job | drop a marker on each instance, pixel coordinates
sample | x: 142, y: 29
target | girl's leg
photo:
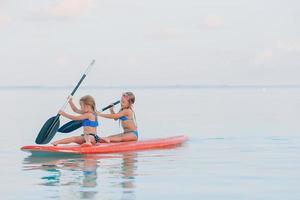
x: 123, y: 137
x: 75, y: 139
x: 107, y: 139
x: 87, y: 139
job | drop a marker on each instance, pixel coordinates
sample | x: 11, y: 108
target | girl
x: 90, y: 122
x: 127, y: 117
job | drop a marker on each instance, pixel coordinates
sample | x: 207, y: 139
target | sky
x: 157, y: 42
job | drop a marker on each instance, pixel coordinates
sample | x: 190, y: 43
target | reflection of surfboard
x: 107, y: 147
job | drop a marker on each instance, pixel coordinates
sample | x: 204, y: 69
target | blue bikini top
x: 123, y: 118
x: 87, y: 122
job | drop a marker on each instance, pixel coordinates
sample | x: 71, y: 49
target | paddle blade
x: 48, y: 130
x: 70, y: 126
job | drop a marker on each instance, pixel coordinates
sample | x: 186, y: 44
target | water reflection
x: 81, y: 177
x: 128, y: 171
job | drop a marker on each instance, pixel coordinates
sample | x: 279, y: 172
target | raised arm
x: 113, y: 116
x: 74, y: 117
x: 74, y: 107
x: 112, y: 111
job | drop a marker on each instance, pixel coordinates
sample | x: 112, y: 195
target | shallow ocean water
x: 243, y: 144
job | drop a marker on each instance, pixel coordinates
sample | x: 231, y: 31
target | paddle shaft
x: 109, y: 106
x: 51, y: 126
x: 77, y: 86
x: 73, y: 92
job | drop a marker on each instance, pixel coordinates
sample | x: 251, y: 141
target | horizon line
x: 170, y: 86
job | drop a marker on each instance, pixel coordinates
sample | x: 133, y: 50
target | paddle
x: 76, y: 124
x: 50, y: 127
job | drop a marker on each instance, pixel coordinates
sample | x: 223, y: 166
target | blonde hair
x: 131, y: 98
x: 88, y: 100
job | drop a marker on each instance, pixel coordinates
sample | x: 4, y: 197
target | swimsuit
x: 87, y: 122
x: 124, y: 118
x: 135, y: 132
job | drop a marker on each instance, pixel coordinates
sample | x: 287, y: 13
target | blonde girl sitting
x: 88, y: 115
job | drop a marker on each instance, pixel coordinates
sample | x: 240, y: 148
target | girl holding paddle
x: 89, y: 122
x: 126, y: 116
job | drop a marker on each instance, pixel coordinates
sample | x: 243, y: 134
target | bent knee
x: 129, y: 138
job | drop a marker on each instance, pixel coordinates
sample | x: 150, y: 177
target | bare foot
x: 54, y: 143
x: 86, y: 145
x: 106, y: 139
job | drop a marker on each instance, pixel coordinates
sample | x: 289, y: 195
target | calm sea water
x: 244, y: 144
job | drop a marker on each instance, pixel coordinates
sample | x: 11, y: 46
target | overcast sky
x: 150, y: 42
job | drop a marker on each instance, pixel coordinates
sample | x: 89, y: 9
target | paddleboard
x: 107, y: 147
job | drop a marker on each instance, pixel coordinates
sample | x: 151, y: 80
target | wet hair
x: 88, y: 100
